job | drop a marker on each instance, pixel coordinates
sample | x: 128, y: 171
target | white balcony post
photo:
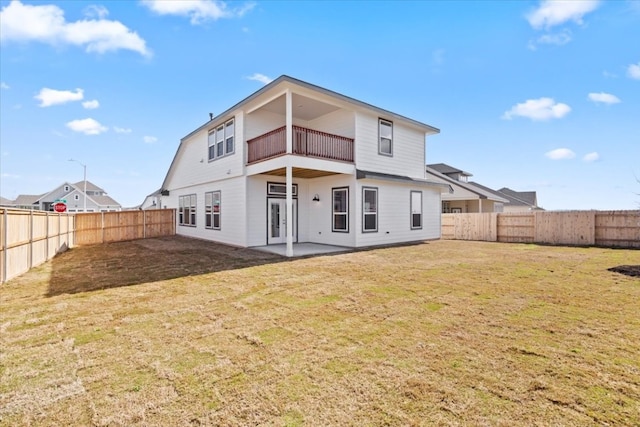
x: 289, y: 126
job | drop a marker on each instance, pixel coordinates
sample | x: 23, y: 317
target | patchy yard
x: 180, y: 332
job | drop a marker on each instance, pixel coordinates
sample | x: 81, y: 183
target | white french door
x: 277, y: 221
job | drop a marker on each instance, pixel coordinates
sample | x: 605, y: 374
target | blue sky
x: 528, y: 95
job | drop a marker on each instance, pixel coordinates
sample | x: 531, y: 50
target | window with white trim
x: 76, y: 197
x: 212, y: 204
x: 369, y: 209
x: 222, y: 140
x: 340, y: 220
x: 385, y: 137
x: 187, y: 210
x: 416, y: 210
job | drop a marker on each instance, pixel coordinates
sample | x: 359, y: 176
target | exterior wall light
x: 316, y: 198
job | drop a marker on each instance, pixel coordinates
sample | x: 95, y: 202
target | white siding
x: 408, y: 148
x: 340, y: 122
x: 192, y: 167
x: 232, y: 211
x: 260, y: 122
x: 394, y: 224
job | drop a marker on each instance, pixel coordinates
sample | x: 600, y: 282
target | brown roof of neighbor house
x: 90, y: 186
x: 104, y: 200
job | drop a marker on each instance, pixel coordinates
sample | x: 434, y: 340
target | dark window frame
x: 382, y: 121
x: 365, y: 213
x: 335, y: 214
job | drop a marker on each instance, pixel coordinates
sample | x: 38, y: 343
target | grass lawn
x: 179, y: 332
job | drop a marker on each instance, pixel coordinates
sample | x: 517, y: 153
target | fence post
x: 102, y: 226
x: 144, y: 224
x: 30, y: 238
x: 5, y: 233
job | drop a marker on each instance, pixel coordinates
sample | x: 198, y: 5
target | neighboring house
x: 94, y: 200
x: 152, y: 201
x: 520, y: 201
x: 294, y: 162
x: 5, y: 202
x: 464, y: 196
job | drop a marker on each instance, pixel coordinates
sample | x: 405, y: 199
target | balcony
x: 306, y: 142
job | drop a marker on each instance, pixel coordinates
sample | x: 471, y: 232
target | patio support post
x: 289, y: 216
x: 289, y: 213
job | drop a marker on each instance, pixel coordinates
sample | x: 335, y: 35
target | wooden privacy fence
x: 29, y: 238
x: 104, y: 227
x: 583, y: 228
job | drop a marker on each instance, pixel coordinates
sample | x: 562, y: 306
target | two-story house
x: 294, y: 162
x: 83, y: 196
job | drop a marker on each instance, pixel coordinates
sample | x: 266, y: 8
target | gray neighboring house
x: 520, y: 201
x: 464, y: 196
x: 96, y: 198
x: 152, y: 201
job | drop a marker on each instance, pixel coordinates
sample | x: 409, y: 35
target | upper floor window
x: 221, y: 140
x: 385, y: 137
x: 66, y: 188
x: 76, y: 197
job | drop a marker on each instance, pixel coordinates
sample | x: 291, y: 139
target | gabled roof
x: 90, y: 186
x: 428, y: 129
x: 104, y: 200
x: 520, y: 198
x: 27, y: 199
x: 497, y: 196
x: 481, y: 191
x: 5, y: 202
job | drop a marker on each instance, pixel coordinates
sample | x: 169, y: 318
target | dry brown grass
x: 179, y: 332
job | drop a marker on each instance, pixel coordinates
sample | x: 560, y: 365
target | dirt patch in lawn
x: 182, y: 332
x: 629, y: 270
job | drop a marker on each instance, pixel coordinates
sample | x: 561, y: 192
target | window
x: 385, y: 134
x: 369, y: 209
x: 187, y: 210
x: 76, y: 197
x: 416, y: 210
x: 66, y: 188
x: 212, y: 210
x: 221, y: 140
x: 340, y: 209
x: 278, y: 189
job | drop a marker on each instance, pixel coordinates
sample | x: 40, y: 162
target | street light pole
x: 85, y: 182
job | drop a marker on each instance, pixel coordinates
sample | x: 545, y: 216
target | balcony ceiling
x: 301, y: 173
x: 303, y: 108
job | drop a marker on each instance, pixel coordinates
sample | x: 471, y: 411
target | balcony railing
x: 306, y: 142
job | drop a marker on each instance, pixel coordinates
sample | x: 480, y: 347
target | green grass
x: 184, y: 332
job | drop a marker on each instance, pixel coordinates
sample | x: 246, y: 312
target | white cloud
x: 633, y: 71
x: 149, y: 139
x: 47, y: 24
x: 91, y: 105
x: 121, y: 130
x: 551, y: 13
x: 3, y: 85
x: 538, y: 109
x: 198, y: 11
x: 49, y: 97
x: 560, y: 154
x: 260, y: 78
x: 591, y: 157
x: 95, y: 11
x: 10, y: 175
x: 609, y: 75
x: 87, y: 126
x: 605, y: 98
